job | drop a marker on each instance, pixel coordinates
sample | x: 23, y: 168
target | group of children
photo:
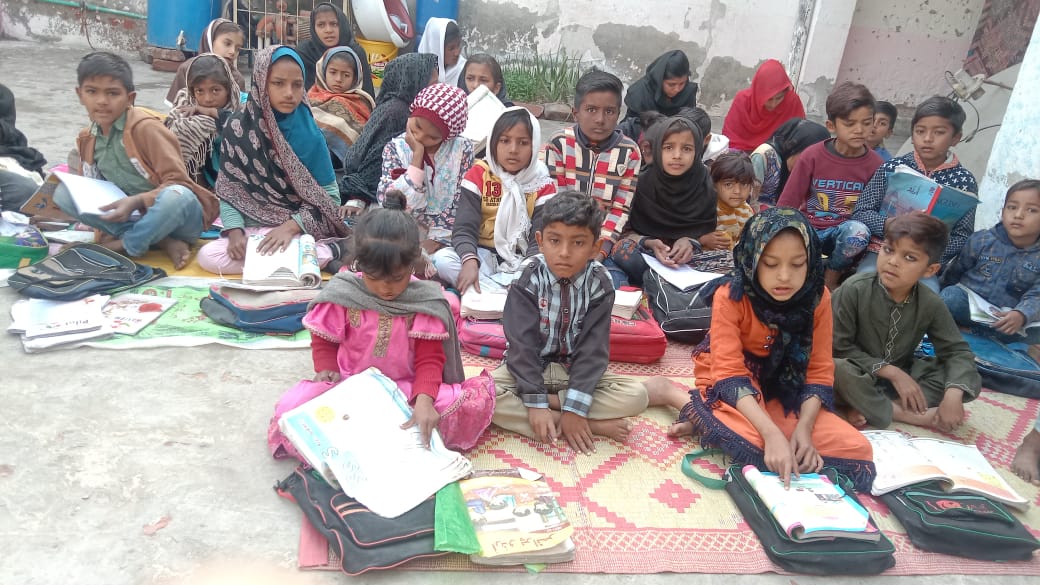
x: 564, y: 225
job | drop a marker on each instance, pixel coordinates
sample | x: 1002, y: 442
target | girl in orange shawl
x: 340, y: 107
x: 759, y: 110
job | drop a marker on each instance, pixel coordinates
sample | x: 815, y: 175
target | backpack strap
x: 712, y: 483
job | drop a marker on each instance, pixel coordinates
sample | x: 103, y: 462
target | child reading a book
x: 879, y: 320
x: 483, y: 69
x: 223, y: 38
x: 339, y: 105
x: 276, y: 177
x: 594, y: 157
x: 764, y: 373
x: 557, y: 322
x: 831, y: 174
x: 501, y: 203
x: 382, y: 317
x: 426, y: 163
x: 734, y: 177
x: 403, y: 79
x: 133, y: 150
x: 936, y: 128
x: 674, y: 207
x: 200, y: 111
x: 1000, y: 265
x: 442, y: 38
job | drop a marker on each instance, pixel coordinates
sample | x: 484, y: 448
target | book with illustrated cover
x: 294, y: 267
x: 517, y: 518
x: 813, y: 508
x: 129, y: 313
x: 909, y: 190
x: 902, y: 460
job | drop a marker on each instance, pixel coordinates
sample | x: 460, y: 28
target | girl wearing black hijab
x: 665, y: 88
x: 674, y: 209
x: 16, y: 184
x: 329, y: 28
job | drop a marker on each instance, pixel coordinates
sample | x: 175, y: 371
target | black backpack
x: 80, y: 271
x: 683, y: 315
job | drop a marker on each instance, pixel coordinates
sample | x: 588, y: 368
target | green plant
x: 542, y: 77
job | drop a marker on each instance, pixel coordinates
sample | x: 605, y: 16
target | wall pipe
x: 96, y: 8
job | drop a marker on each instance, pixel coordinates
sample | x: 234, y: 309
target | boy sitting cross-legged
x: 879, y: 320
x: 557, y: 323
x: 142, y: 157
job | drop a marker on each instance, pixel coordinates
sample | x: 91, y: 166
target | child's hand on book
x: 236, y: 247
x: 575, y: 429
x: 1009, y: 323
x: 807, y: 458
x: 541, y: 420
x: 121, y: 210
x: 469, y: 275
x: 278, y: 239
x: 661, y: 250
x: 328, y: 376
x: 425, y: 416
x: 779, y: 457
x: 950, y: 413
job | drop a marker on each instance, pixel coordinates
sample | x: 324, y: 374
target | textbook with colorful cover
x: 813, y: 508
x: 909, y: 190
x: 517, y: 518
x: 129, y: 313
x: 902, y: 461
x: 294, y: 267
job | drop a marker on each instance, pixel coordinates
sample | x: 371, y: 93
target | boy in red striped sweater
x: 595, y: 158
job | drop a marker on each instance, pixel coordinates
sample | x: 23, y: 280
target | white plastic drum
x: 384, y: 20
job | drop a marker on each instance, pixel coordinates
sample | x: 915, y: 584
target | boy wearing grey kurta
x: 880, y: 319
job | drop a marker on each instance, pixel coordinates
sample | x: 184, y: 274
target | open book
x: 683, y: 277
x: 352, y: 436
x: 517, y: 519
x: 909, y: 190
x: 294, y: 267
x: 983, y: 311
x: 484, y: 109
x: 813, y: 508
x: 903, y: 461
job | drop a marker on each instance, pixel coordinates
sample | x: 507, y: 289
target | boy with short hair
x: 1000, y: 265
x: 879, y: 320
x: 936, y: 127
x: 734, y: 177
x: 554, y: 379
x: 884, y: 122
x: 594, y: 157
x: 134, y: 150
x: 830, y: 175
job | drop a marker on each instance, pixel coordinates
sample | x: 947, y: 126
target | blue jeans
x: 843, y: 243
x: 176, y: 214
x: 869, y: 264
x: 627, y: 257
x: 956, y: 300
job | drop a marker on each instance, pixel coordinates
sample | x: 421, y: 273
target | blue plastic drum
x: 167, y: 19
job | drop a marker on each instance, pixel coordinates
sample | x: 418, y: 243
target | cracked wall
x: 37, y: 21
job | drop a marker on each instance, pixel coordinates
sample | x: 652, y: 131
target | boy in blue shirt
x: 884, y: 121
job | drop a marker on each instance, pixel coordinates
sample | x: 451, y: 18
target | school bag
x: 80, y: 271
x: 1004, y: 367
x: 684, y: 314
x: 22, y: 248
x: 363, y: 540
x: 840, y: 556
x: 964, y: 525
x: 273, y: 312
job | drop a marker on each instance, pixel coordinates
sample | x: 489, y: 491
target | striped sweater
x: 608, y: 176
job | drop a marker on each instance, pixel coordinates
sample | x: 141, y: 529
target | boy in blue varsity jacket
x: 554, y: 380
x: 1002, y: 265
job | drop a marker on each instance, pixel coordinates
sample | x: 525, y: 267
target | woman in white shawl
x: 443, y: 38
x: 500, y: 204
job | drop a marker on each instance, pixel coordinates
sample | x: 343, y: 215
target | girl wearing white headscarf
x: 443, y: 38
x: 500, y: 204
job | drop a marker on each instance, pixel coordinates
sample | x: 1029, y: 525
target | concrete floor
x: 95, y: 445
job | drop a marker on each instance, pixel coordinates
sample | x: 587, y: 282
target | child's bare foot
x: 178, y: 251
x: 114, y: 244
x: 924, y: 419
x: 681, y: 429
x: 1027, y: 458
x: 665, y: 392
x: 855, y: 418
x: 611, y: 428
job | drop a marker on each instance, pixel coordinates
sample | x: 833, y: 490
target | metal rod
x: 96, y: 8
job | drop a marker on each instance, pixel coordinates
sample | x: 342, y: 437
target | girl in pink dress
x: 383, y: 317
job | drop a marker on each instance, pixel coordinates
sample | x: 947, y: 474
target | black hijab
x: 671, y: 207
x: 648, y: 92
x: 791, y: 138
x: 403, y: 79
x: 312, y: 49
x: 13, y: 143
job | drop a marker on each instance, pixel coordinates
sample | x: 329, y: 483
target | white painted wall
x: 1016, y: 149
